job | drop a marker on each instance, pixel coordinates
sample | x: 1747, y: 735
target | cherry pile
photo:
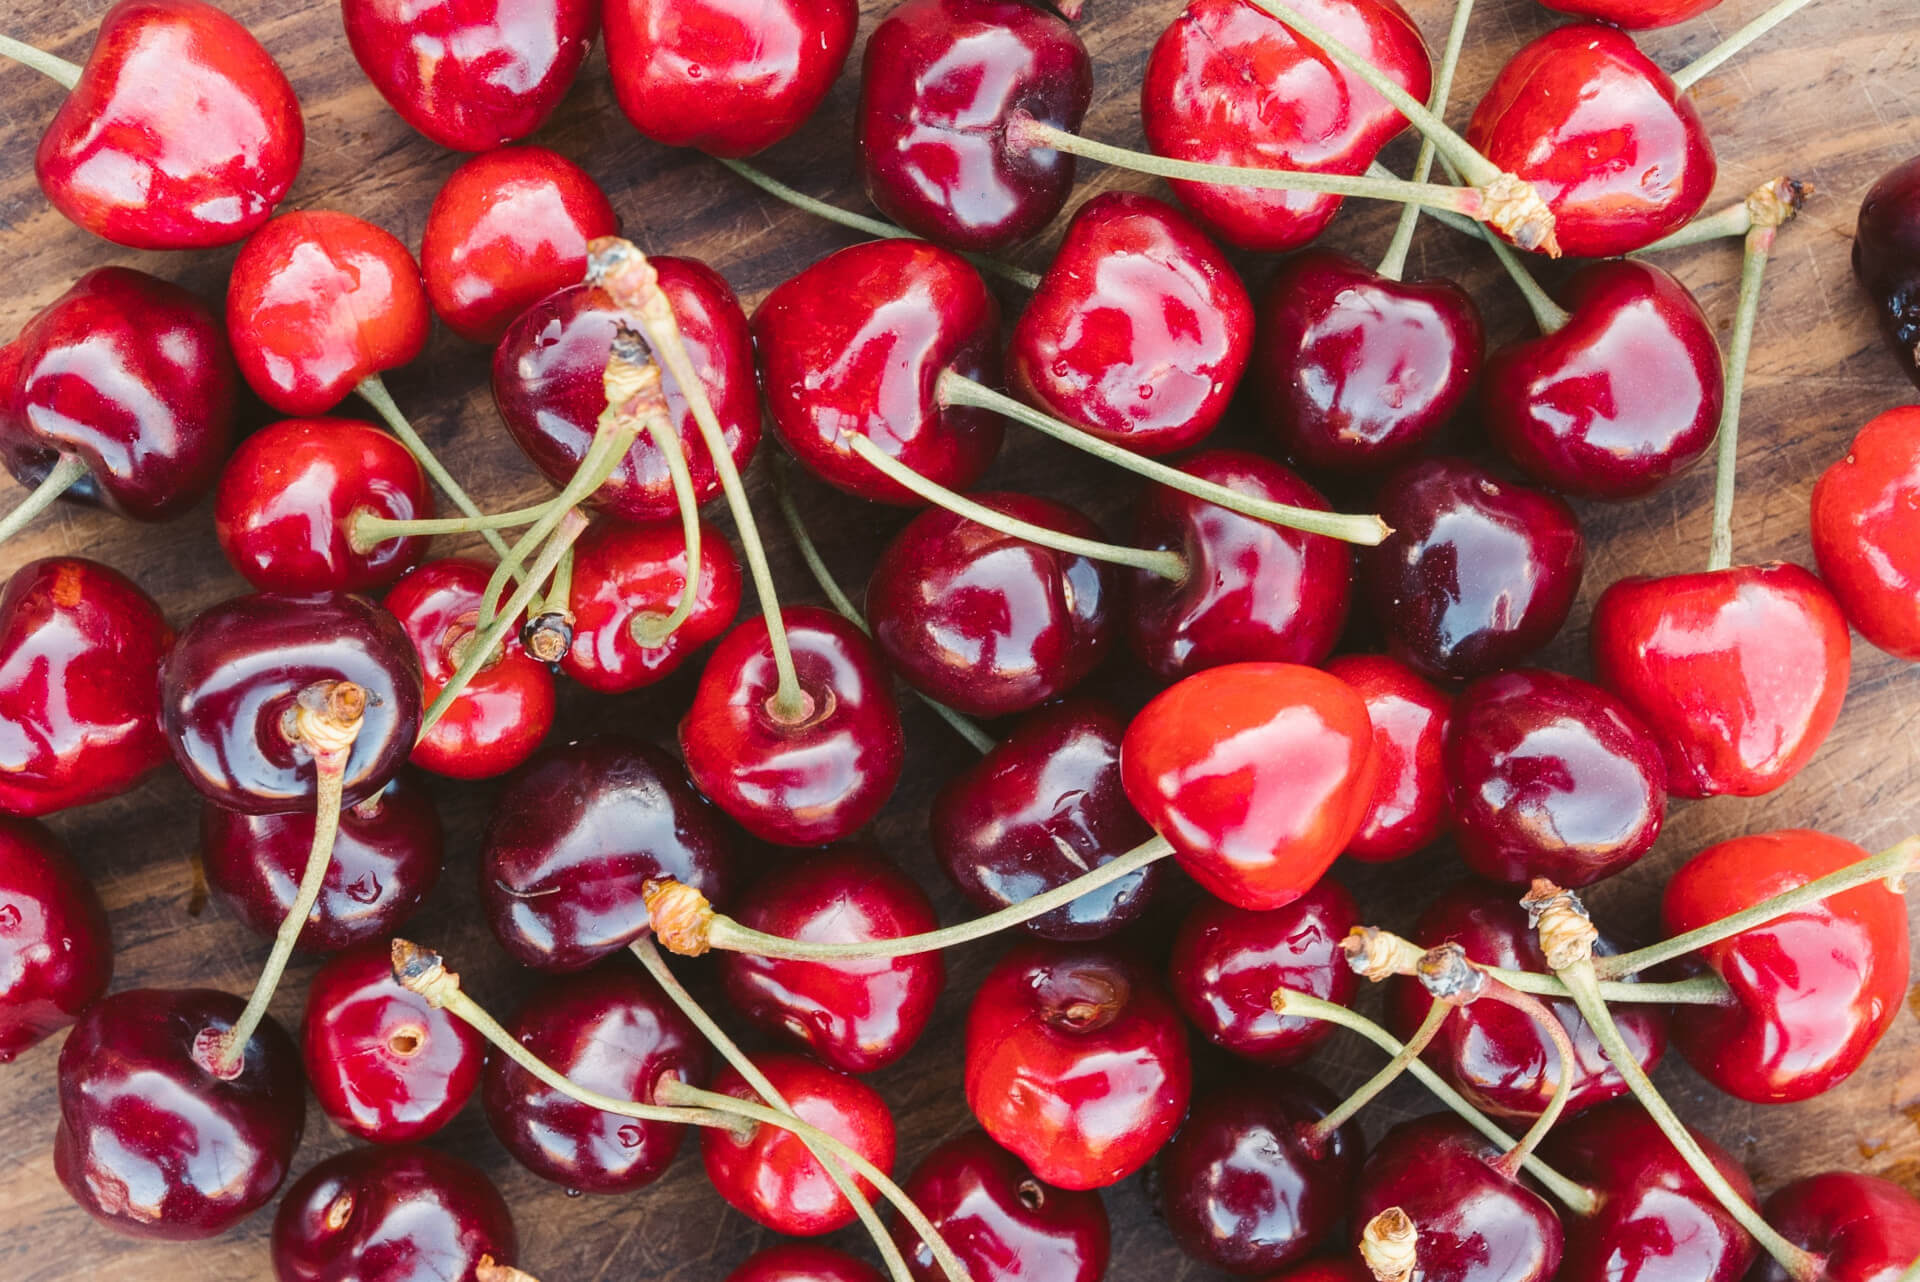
x: 1317, y: 646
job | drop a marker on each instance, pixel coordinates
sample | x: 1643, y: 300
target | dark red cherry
x: 1886, y: 260
x: 1228, y: 961
x: 1859, y: 1227
x: 507, y: 229
x: 1634, y: 15
x: 472, y: 74
x: 1604, y: 135
x: 1246, y: 1186
x: 1331, y: 1268
x: 1252, y: 591
x: 854, y: 345
x: 795, y: 783
x: 1357, y: 371
x: 318, y: 301
x: 183, y: 132
x: 1704, y: 661
x: 133, y: 376
x: 803, y: 1262
x: 1866, y: 531
x: 986, y: 623
x: 610, y: 1030
x: 1478, y: 574
x: 151, y: 1142
x: 386, y: 858
x: 391, y: 1215
x: 626, y: 578
x: 1140, y: 330
x: 549, y: 382
x: 1621, y: 398
x: 56, y: 952
x: 1076, y: 1062
x: 1409, y: 716
x: 1043, y: 806
x: 1230, y: 84
x: 574, y: 836
x: 1813, y: 991
x: 1005, y: 1225
x: 80, y: 653
x: 769, y: 1176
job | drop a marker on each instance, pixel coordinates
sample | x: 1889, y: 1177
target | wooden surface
x: 1834, y: 98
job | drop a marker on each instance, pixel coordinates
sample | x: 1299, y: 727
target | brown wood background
x: 1834, y: 98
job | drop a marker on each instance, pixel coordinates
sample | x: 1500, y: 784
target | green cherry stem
x: 1376, y: 954
x: 1753, y: 271
x: 1706, y: 63
x: 1349, y: 1108
x: 653, y: 630
x: 366, y: 528
x: 1556, y: 1032
x: 374, y: 392
x: 48, y: 65
x: 63, y: 476
x: 1394, y: 265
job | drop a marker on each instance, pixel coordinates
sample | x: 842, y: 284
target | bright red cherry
x: 1861, y: 1228
x: 1076, y: 1062
x: 1409, y: 716
x: 1866, y: 531
x: 803, y: 1262
x: 1886, y: 260
x: 1634, y: 15
x: 1005, y: 1225
x: 1738, y: 673
x: 626, y: 578
x: 56, y: 952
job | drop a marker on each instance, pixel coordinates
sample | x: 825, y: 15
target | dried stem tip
x: 548, y: 637
x: 1446, y: 973
x: 325, y: 717
x: 1517, y: 210
x: 1566, y: 931
x: 1390, y: 1245
x: 682, y: 917
x: 423, y: 971
x: 488, y: 1270
x: 1374, y: 954
x: 1776, y: 203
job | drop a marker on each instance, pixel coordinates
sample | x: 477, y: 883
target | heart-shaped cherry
x: 56, y: 952
x: 1886, y: 260
x: 1859, y: 1227
x: 1634, y: 15
x: 1866, y: 531
x: 1409, y: 716
x: 803, y: 1262
x: 1004, y: 1224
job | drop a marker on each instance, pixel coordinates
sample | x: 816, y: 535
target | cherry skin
x: 1252, y: 591
x: 1410, y: 717
x: 854, y: 345
x: 1886, y: 260
x: 1862, y: 1228
x: 574, y: 836
x: 626, y: 578
x: 769, y: 1176
x: 1866, y: 531
x: 319, y: 301
x: 182, y: 133
x: 56, y: 950
x: 988, y: 624
x: 1634, y: 15
x: 386, y: 859
x: 1615, y: 148
x: 132, y: 375
x: 1478, y: 574
x: 1140, y: 330
x: 1005, y: 1225
x: 505, y: 711
x: 1227, y: 962
x: 1333, y: 1268
x: 1813, y: 991
x: 1622, y: 398
x: 472, y: 74
x: 1043, y: 806
x: 1738, y: 673
x: 1076, y: 1063
x: 151, y: 1142
x: 609, y: 1030
x: 391, y: 1215
x: 507, y: 229
x: 80, y: 652
x: 857, y: 1016
x: 549, y: 382
x: 1357, y: 371
x: 808, y: 782
x: 288, y: 498
x: 1229, y: 84
x: 802, y: 1262
x: 731, y: 77
x: 1258, y: 774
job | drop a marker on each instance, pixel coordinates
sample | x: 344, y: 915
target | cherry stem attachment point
x: 48, y: 65
x: 63, y: 476
x: 1390, y: 1246
x: 374, y: 392
x: 1779, y: 199
x: 1437, y: 1015
x: 1394, y: 265
x: 1706, y: 63
x: 487, y: 1269
x: 1549, y: 1023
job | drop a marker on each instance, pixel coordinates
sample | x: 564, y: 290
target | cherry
x: 1043, y: 806
x: 1140, y: 330
x: 1634, y: 15
x: 625, y: 579
x: 1410, y: 718
x: 1356, y: 370
x: 1739, y: 673
x: 802, y: 1262
x: 574, y: 836
x: 1076, y: 1063
x: 1333, y: 1268
x: 1813, y: 991
x: 80, y: 649
x: 1228, y: 961
x: 56, y: 951
x: 549, y: 382
x: 768, y: 1175
x: 1004, y: 1224
x: 318, y: 302
x: 1861, y: 1228
x: 1478, y: 574
x: 1866, y: 535
x: 1886, y: 260
x: 472, y: 74
x: 153, y: 1142
x: 508, y: 228
x: 392, y: 1215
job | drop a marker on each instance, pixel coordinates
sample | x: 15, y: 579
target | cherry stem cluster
x: 1394, y: 265
x: 48, y: 65
x: 63, y: 476
x: 1438, y: 1012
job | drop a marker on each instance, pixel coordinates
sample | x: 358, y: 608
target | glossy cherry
x: 56, y: 951
x: 1813, y: 991
x: 1077, y: 1063
x: 1866, y: 531
x: 1005, y: 1225
x: 1860, y: 1227
x: 628, y: 577
x: 1409, y: 716
x: 80, y: 653
x: 1738, y: 673
x: 1886, y: 260
x: 1634, y: 15
x: 803, y: 1262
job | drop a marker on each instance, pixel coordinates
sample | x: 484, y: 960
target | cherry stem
x: 487, y: 1269
x: 1510, y: 1164
x: 1548, y: 315
x: 48, y: 65
x: 1394, y: 265
x: 1377, y: 954
x: 1436, y: 1018
x: 367, y: 529
x: 1753, y: 270
x: 1734, y: 220
x: 559, y: 598
x: 63, y: 476
x: 652, y: 631
x: 955, y: 389
x: 374, y: 392
x: 1693, y: 72
x: 1912, y: 1274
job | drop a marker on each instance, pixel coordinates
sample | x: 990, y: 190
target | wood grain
x: 1833, y: 98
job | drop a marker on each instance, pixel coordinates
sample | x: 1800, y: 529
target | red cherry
x: 1738, y: 673
x: 626, y: 577
x: 801, y: 1262
x: 1861, y: 1228
x: 1634, y: 15
x: 1886, y: 260
x: 1005, y: 1225
x: 56, y: 952
x: 1866, y: 531
x: 1409, y: 716
x: 1336, y: 1268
